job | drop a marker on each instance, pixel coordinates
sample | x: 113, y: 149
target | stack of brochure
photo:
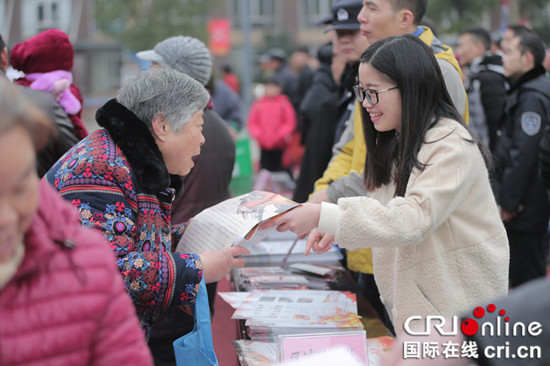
x: 304, y: 276
x: 272, y: 250
x: 270, y: 313
x: 254, y: 353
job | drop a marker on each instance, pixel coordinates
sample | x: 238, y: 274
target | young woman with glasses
x: 439, y: 246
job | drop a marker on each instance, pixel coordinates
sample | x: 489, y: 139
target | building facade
x: 97, y: 61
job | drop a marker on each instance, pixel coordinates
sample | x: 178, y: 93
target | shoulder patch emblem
x: 530, y: 123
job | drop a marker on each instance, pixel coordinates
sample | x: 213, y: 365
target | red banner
x: 219, y: 31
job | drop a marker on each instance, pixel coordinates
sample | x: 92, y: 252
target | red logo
x: 470, y: 326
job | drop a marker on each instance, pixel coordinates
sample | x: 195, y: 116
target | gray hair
x: 165, y: 91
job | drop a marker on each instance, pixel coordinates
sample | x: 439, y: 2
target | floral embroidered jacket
x: 118, y: 181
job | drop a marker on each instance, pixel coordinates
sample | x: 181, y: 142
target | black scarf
x: 134, y: 139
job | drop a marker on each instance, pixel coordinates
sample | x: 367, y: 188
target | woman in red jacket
x: 62, y: 301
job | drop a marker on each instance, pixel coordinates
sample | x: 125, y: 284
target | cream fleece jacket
x: 442, y: 248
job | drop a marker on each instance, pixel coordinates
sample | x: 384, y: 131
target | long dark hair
x: 411, y: 65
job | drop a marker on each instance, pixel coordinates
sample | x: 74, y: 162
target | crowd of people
x: 431, y: 172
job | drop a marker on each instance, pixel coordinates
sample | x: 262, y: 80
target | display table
x: 267, y: 257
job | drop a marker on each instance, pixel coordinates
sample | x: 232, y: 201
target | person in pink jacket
x: 62, y: 300
x: 271, y: 122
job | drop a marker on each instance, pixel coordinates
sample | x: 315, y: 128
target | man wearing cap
x: 206, y: 185
x: 349, y: 43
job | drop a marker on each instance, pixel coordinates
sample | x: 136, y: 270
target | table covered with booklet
x: 307, y: 300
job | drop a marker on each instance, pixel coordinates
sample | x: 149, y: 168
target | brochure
x: 234, y: 222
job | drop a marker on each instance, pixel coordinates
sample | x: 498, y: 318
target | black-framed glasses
x: 370, y: 94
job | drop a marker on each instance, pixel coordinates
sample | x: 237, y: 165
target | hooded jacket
x: 65, y: 304
x: 117, y: 179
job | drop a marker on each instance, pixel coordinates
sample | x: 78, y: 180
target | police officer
x: 518, y: 187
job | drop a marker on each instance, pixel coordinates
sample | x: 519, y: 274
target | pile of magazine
x: 298, y: 276
x: 270, y: 313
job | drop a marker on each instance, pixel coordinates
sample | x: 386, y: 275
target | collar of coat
x: 135, y: 141
x: 534, y: 73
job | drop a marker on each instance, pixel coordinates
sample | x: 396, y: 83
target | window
x: 40, y: 12
x: 55, y: 12
x: 262, y: 13
x: 47, y: 14
x: 313, y: 10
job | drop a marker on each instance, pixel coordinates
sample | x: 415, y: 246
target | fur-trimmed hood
x: 134, y: 139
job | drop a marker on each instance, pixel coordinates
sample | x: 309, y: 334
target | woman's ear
x: 160, y: 128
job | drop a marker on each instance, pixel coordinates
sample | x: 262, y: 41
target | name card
x: 293, y: 347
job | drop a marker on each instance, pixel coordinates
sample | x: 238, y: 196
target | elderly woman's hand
x: 299, y: 220
x: 215, y: 265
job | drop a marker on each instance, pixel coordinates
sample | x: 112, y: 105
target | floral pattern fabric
x: 97, y: 178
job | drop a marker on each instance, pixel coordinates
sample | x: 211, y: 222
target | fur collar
x: 135, y: 141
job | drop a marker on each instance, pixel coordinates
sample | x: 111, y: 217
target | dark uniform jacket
x: 516, y: 180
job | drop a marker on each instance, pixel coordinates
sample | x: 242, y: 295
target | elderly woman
x: 62, y: 301
x: 123, y: 178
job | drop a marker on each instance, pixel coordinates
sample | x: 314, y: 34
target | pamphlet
x: 234, y: 222
x: 317, y: 269
x: 252, y: 353
x: 292, y: 347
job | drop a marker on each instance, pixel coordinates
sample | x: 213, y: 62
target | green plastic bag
x: 243, y: 157
x: 243, y: 173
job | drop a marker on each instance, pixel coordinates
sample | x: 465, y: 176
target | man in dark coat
x: 517, y: 184
x: 319, y: 116
x: 485, y: 84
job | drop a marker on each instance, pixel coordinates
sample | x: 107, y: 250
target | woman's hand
x: 319, y: 197
x: 319, y: 242
x: 215, y: 265
x: 300, y: 220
